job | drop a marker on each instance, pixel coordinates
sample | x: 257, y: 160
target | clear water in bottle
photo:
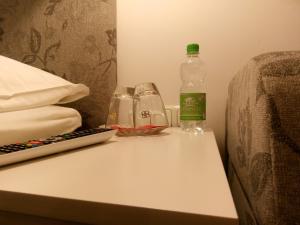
x: 193, y: 92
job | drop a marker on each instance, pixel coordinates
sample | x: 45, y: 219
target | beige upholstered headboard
x: 74, y: 39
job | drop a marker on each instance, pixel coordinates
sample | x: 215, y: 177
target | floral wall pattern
x: 73, y: 39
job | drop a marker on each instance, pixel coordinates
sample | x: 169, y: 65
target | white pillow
x: 23, y: 86
x: 42, y: 122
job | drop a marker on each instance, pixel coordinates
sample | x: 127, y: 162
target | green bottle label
x: 192, y: 106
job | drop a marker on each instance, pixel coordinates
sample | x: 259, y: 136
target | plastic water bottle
x: 193, y: 92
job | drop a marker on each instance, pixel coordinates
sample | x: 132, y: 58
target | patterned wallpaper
x: 74, y: 39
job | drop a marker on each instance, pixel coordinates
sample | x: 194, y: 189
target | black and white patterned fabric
x: 74, y: 39
x: 263, y: 139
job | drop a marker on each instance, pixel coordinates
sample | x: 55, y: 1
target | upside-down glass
x: 121, y: 109
x: 148, y: 108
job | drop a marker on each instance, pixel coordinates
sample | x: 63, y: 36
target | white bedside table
x: 173, y: 178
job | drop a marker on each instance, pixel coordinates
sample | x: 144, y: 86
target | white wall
x: 152, y: 35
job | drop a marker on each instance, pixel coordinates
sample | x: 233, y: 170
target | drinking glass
x: 148, y: 109
x: 121, y: 109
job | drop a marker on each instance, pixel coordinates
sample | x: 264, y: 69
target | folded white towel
x: 42, y: 122
x: 23, y: 87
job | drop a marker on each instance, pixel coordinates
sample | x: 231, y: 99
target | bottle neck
x: 193, y: 55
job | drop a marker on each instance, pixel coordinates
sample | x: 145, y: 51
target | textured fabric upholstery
x: 74, y: 39
x: 263, y: 139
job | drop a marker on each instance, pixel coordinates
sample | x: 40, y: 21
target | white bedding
x: 42, y: 122
x: 25, y: 87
